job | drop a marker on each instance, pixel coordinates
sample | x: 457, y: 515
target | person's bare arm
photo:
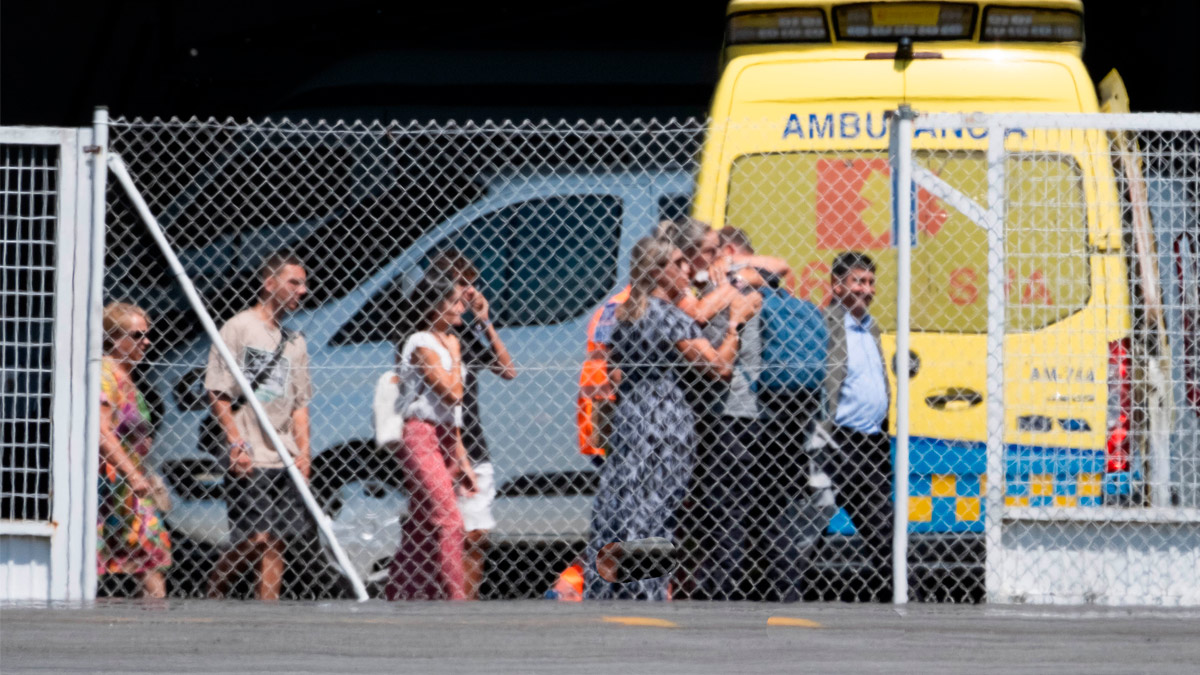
x: 751, y: 277
x: 112, y: 452
x: 704, y: 309
x: 240, y: 462
x: 716, y: 364
x: 774, y: 265
x: 300, y: 430
x: 503, y: 364
x: 447, y: 384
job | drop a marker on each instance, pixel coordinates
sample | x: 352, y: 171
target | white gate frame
x: 54, y: 560
x: 1133, y: 568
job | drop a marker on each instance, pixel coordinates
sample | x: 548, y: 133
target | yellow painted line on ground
x: 647, y: 621
x: 793, y: 622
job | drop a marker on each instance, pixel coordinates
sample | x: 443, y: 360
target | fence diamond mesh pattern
x: 710, y: 421
x: 28, y: 187
x: 1098, y: 344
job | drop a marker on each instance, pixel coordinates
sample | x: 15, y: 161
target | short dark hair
x: 454, y: 265
x: 736, y: 237
x: 851, y: 260
x: 275, y: 262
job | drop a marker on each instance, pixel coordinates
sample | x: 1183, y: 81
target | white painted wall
x: 24, y: 567
x: 1104, y: 562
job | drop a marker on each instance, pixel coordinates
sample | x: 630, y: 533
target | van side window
x: 540, y: 262
x: 562, y: 259
x: 544, y: 261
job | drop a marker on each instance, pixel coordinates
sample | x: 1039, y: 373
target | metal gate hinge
x: 93, y: 149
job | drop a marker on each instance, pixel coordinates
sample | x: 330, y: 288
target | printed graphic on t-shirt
x: 274, y: 385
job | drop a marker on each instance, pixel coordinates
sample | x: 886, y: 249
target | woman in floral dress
x: 132, y: 538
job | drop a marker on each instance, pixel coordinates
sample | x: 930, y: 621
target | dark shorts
x: 266, y: 501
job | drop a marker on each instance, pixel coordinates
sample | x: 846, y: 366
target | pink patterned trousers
x: 429, y: 563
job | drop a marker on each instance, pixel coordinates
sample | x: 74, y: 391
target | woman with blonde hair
x: 653, y: 345
x: 132, y: 538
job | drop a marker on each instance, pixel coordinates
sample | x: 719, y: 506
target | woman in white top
x: 429, y: 562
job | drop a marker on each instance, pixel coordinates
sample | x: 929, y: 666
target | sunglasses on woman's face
x: 138, y: 335
x: 680, y: 261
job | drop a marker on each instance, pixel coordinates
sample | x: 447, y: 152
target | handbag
x: 212, y: 439
x: 387, y: 410
x: 392, y: 399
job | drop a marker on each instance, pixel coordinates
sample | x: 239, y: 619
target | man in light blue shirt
x: 857, y: 398
x: 863, y: 404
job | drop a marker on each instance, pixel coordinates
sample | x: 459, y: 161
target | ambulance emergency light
x: 793, y: 25
x: 880, y: 22
x: 1027, y: 24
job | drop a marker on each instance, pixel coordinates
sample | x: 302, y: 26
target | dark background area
x: 466, y: 60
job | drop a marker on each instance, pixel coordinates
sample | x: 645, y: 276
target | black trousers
x: 861, y: 469
x: 726, y: 491
x: 788, y: 524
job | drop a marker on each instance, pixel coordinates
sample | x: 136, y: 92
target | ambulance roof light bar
x: 792, y: 25
x: 1031, y: 24
x: 888, y: 22
x: 891, y: 21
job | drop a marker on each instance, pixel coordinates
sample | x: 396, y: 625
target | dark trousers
x: 726, y: 492
x: 789, y: 522
x: 860, y: 466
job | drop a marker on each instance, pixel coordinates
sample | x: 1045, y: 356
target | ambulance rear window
x: 809, y: 206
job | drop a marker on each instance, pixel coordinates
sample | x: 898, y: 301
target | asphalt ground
x: 621, y: 638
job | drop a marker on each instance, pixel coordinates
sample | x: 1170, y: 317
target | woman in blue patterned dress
x: 647, y: 473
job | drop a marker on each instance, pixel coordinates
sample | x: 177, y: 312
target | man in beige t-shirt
x: 265, y: 508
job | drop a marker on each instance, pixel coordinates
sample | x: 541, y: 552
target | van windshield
x: 809, y: 206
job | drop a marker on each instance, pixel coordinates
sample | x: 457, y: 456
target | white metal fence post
x: 95, y: 303
x: 902, y: 166
x: 996, y: 322
x: 118, y: 169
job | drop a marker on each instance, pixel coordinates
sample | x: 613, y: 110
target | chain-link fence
x: 1100, y: 444
x: 728, y: 395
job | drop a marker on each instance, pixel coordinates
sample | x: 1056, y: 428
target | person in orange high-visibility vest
x: 596, y: 390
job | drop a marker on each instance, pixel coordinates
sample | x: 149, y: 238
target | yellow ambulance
x: 797, y: 156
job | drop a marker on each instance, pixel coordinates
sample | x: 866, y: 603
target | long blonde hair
x: 116, y: 316
x: 650, y: 255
